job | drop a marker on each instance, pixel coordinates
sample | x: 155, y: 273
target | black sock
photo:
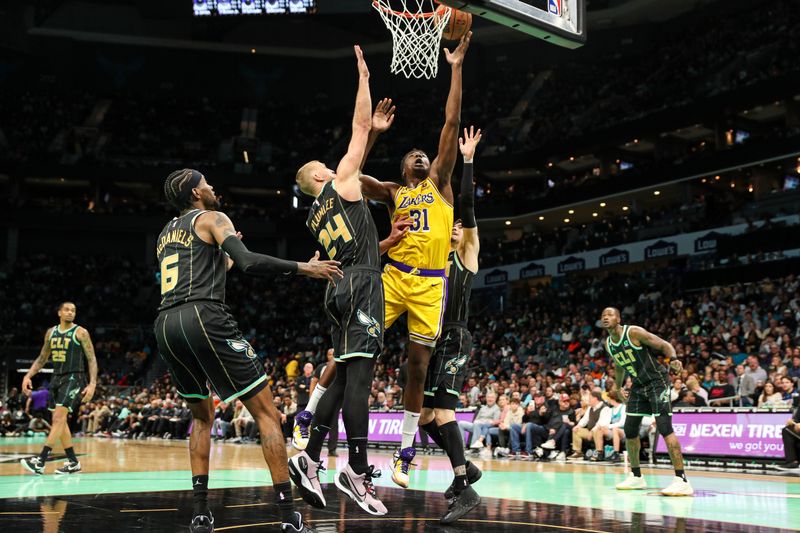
x: 637, y: 471
x: 200, y: 489
x: 433, y: 430
x: 283, y: 497
x: 71, y: 454
x: 315, y: 441
x: 453, y: 444
x: 681, y: 474
x: 357, y: 449
x: 45, y: 452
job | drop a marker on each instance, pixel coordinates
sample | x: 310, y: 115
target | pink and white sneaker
x: 360, y: 489
x: 305, y: 474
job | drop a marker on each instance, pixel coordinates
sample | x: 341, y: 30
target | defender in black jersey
x: 629, y: 347
x: 68, y: 344
x: 200, y: 341
x: 448, y: 365
x: 341, y: 222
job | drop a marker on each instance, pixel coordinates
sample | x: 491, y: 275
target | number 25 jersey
x: 427, y: 244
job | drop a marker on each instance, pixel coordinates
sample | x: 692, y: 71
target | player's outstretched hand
x: 469, y: 142
x: 675, y: 366
x: 400, y: 227
x: 363, y: 71
x: 321, y: 269
x: 456, y: 57
x: 383, y: 117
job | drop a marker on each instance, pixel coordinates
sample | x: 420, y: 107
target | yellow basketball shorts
x: 421, y: 293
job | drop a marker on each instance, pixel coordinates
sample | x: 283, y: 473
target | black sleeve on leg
x: 632, y: 425
x: 664, y: 425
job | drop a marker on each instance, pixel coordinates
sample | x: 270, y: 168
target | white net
x: 416, y: 27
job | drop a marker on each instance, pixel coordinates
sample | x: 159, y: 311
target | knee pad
x: 664, y: 425
x: 631, y: 426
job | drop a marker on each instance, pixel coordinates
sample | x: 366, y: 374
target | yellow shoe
x: 302, y: 421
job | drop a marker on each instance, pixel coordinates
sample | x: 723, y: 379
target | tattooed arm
x: 88, y: 350
x: 44, y: 355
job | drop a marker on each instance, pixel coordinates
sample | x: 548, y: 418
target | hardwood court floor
x: 145, y: 485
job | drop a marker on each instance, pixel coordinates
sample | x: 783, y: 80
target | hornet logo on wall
x: 373, y: 328
x: 241, y: 345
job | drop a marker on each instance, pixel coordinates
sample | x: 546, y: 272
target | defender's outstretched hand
x: 456, y: 57
x: 469, y: 142
x: 321, y: 269
x: 383, y: 117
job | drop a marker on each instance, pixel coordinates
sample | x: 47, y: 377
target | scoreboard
x: 204, y: 8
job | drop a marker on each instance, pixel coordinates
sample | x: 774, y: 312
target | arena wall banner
x: 754, y: 435
x: 387, y: 427
x: 697, y: 242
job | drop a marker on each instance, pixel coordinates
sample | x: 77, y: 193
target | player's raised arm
x: 379, y: 191
x: 348, y: 171
x: 216, y: 227
x: 382, y: 120
x: 44, y: 355
x: 400, y: 227
x: 91, y: 359
x: 442, y: 166
x: 470, y: 243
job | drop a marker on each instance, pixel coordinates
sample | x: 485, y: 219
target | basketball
x: 457, y: 26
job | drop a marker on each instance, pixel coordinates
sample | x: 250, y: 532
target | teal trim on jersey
x: 451, y: 391
x: 621, y: 338
x: 628, y: 338
x: 248, y: 389
x: 426, y: 393
x: 350, y: 355
x: 458, y: 261
x: 201, y: 396
x: 52, y: 410
x: 58, y: 328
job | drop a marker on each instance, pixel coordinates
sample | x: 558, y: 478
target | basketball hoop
x: 416, y: 27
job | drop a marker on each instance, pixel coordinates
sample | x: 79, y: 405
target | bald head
x: 611, y: 317
x: 312, y: 176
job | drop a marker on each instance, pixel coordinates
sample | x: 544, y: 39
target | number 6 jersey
x: 345, y: 229
x: 190, y: 268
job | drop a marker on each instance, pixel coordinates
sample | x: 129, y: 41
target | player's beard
x: 211, y: 203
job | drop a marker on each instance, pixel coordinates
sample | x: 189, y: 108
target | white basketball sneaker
x: 632, y: 483
x: 678, y: 487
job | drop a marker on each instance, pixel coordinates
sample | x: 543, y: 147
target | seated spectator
x: 240, y: 419
x: 482, y: 422
x: 613, y: 431
x: 693, y: 385
x: 794, y: 370
x: 7, y: 426
x: 745, y: 386
x: 597, y: 413
x: 559, y: 429
x: 788, y: 390
x: 769, y: 396
x: 513, y: 417
x: 677, y: 387
x: 791, y: 442
x: 288, y: 409
x: 755, y: 371
x: 494, y: 431
x: 223, y: 418
x: 532, y: 426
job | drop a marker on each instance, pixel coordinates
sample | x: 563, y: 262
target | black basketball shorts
x: 355, y: 308
x: 65, y: 391
x: 201, y: 343
x: 649, y: 400
x: 447, y: 369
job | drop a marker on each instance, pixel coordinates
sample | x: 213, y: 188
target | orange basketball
x: 457, y: 26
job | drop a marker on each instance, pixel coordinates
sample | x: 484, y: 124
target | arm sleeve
x: 467, y: 198
x: 253, y: 263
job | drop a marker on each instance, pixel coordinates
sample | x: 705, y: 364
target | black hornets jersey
x: 191, y: 269
x: 459, y: 288
x: 66, y: 351
x: 345, y: 229
x: 636, y: 360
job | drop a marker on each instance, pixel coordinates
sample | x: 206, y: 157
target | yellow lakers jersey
x: 427, y: 243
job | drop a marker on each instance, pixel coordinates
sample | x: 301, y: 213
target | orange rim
x: 408, y: 14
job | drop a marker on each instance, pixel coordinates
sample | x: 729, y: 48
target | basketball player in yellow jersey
x: 414, y: 279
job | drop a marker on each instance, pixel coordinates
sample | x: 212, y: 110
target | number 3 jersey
x: 637, y: 361
x: 190, y: 268
x: 427, y: 244
x: 345, y: 229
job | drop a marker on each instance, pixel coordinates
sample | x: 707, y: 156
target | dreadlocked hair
x: 173, y: 186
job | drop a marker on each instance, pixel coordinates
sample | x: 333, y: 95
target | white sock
x: 410, y: 424
x: 319, y: 390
